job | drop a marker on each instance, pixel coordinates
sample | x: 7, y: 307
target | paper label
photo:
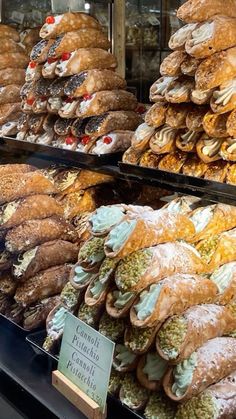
x: 86, y: 359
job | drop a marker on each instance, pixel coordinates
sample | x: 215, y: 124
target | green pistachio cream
x: 223, y: 276
x: 147, y: 301
x: 69, y: 296
x: 134, y: 395
x: 112, y: 328
x: 131, y: 269
x: 160, y: 407
x: 172, y: 335
x: 138, y: 339
x: 97, y: 289
x: 155, y: 367
x: 123, y: 357
x: 92, y: 251
x: 115, y: 382
x: 183, y: 375
x: 121, y: 299
x: 207, y: 248
x: 203, y: 406
x: 81, y: 277
x: 55, y: 328
x: 105, y: 218
x: 120, y: 234
x: 107, y: 269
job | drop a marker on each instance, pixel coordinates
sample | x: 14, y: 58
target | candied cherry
x: 69, y: 99
x: 65, y: 56
x: 51, y: 60
x: 87, y: 96
x: 32, y: 64
x: 85, y: 139
x: 43, y: 98
x: 30, y: 101
x: 50, y: 20
x: 141, y: 109
x: 107, y: 140
x: 70, y: 140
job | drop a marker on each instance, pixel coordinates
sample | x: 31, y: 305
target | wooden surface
x: 119, y: 35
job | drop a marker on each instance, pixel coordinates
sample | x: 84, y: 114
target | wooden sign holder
x: 76, y: 396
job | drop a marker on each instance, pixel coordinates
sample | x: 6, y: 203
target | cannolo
x: 22, y: 124
x: 141, y: 136
x: 132, y: 394
x: 151, y: 370
x: 7, y: 31
x: 9, y: 169
x: 218, y: 249
x: 36, y: 232
x: 145, y: 230
x: 187, y: 141
x: 194, y: 166
x: 231, y: 174
x: 190, y: 65
x: 21, y: 136
x: 45, y: 138
x: 183, y: 334
x: 29, y: 37
x: 139, y: 341
x: 40, y: 105
x: 26, y: 209
x: 173, y: 162
x: 7, y: 284
x: 173, y: 295
x: 124, y: 360
x: 216, y: 70
x: 83, y: 38
x: 201, y: 97
x: 96, y: 292
x: 116, y: 141
x: 12, y: 76
x: 78, y: 180
x: 171, y: 65
x: 147, y: 266
x: 78, y: 127
x: 208, y: 149
x: 225, y: 279
x: 55, y: 323
x: 49, y: 68
x: 158, y: 89
x: 183, y: 204
x: 112, y: 328
x: 92, y: 254
x: 216, y: 401
x: 9, y: 94
x: 60, y: 24
x: 9, y: 110
x: 176, y: 115
x: 78, y: 202
x: 92, y: 81
x: 231, y: 124
x: 132, y: 155
x: 63, y: 126
x: 44, y: 256
x: 201, y: 10
x: 56, y: 87
x: 112, y: 121
x: 35, y: 316
x: 212, y: 220
x: 163, y: 141
x: 35, y: 123
x: 179, y: 91
x: 68, y: 108
x: 54, y: 104
x: 215, y: 124
x: 217, y: 171
x: 15, y: 313
x: 31, y: 137
x: 27, y: 90
x: 202, y: 371
x: 79, y: 278
x: 118, y: 304
x: 160, y: 406
x: 33, y: 72
x: 5, y: 303
x: 13, y: 187
x: 71, y: 297
x: 85, y: 59
x: 39, y: 52
x: 116, y: 380
x: 224, y: 98
x: 156, y: 115
x: 8, y: 129
x: 90, y: 314
x: 13, y: 60
x: 44, y: 284
x: 6, y: 260
x: 179, y: 38
x: 195, y: 117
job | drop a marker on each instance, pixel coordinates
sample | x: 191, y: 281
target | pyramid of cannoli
x: 73, y: 98
x: 191, y: 128
x: 161, y: 284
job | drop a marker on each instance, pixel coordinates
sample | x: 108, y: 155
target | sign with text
x: 86, y: 359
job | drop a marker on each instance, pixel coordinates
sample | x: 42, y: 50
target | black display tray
x: 209, y: 190
x: 74, y: 158
x: 16, y: 327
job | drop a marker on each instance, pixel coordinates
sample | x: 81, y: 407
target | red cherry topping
x: 69, y: 99
x: 66, y: 56
x: 30, y: 101
x: 50, y: 20
x: 43, y: 98
x: 85, y: 139
x: 141, y: 109
x: 107, y: 140
x: 32, y: 64
x: 87, y: 97
x: 70, y: 140
x: 51, y: 60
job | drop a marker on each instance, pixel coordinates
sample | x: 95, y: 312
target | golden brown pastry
x: 13, y: 60
x: 163, y: 141
x: 217, y: 171
x: 173, y: 162
x: 158, y: 89
x: 194, y: 166
x: 190, y: 66
x: 208, y: 148
x: 132, y: 155
x: 12, y: 76
x: 187, y: 140
x: 228, y: 149
x: 171, y: 65
x: 201, y: 97
x: 155, y: 117
x: 201, y: 10
x: 224, y: 98
x: 231, y: 124
x: 194, y: 119
x: 150, y: 159
x: 7, y: 31
x: 215, y: 124
x: 231, y: 175
x: 179, y: 91
x: 179, y: 38
x: 176, y: 115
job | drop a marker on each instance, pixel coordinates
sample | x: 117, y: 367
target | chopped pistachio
x: 48, y: 343
x: 207, y: 248
x: 160, y: 407
x: 107, y: 267
x: 88, y: 314
x: 92, y: 247
x: 203, y: 406
x: 134, y: 394
x: 69, y: 296
x: 112, y: 328
x: 139, y: 338
x: 115, y: 382
x: 172, y: 335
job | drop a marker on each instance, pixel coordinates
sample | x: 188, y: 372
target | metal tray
x: 214, y: 191
x: 36, y: 340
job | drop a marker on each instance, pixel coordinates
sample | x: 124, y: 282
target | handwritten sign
x: 86, y: 359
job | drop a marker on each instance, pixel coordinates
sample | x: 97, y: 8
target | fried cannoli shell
x: 227, y: 295
x: 171, y: 65
x: 86, y: 59
x: 201, y: 97
x: 83, y: 285
x: 112, y: 121
x: 9, y: 94
x: 231, y: 175
x: 9, y: 110
x: 77, y: 202
x: 194, y: 166
x: 201, y: 10
x: 173, y: 162
x: 224, y: 98
x: 90, y: 300
x: 33, y: 72
x: 6, y: 260
x: 35, y: 123
x: 56, y: 87
x: 178, y: 39
x: 12, y: 76
x: 15, y: 313
x: 179, y: 91
x: 223, y: 251
x: 219, y: 351
x: 40, y: 105
x: 63, y: 126
x: 176, y: 115
x: 13, y: 187
x: 156, y: 115
x: 82, y: 180
x: 142, y: 136
x: 14, y: 60
x: 7, y: 31
x: 194, y: 119
x: 158, y: 89
x: 142, y: 377
x: 5, y: 303
x: 117, y: 312
x: 7, y: 284
x: 49, y: 68
x: 68, y: 108
x: 129, y: 386
x: 208, y: 149
x: 29, y: 37
x: 105, y: 101
x: 83, y: 38
x: 30, y: 208
x: 223, y: 218
x: 91, y: 81
x: 231, y: 124
x: 39, y: 52
x: 149, y: 229
x: 147, y: 338
x: 35, y: 316
x: 132, y: 156
x: 184, y: 260
x: 163, y: 141
x: 9, y: 169
x: 215, y: 124
x: 217, y: 171
x: 203, y: 322
x: 190, y: 66
x: 177, y: 293
x: 43, y: 285
x: 67, y: 22
x: 216, y: 70
x: 186, y: 141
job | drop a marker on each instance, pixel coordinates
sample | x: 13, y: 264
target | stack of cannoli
x: 73, y: 99
x: 161, y: 285
x: 191, y: 128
